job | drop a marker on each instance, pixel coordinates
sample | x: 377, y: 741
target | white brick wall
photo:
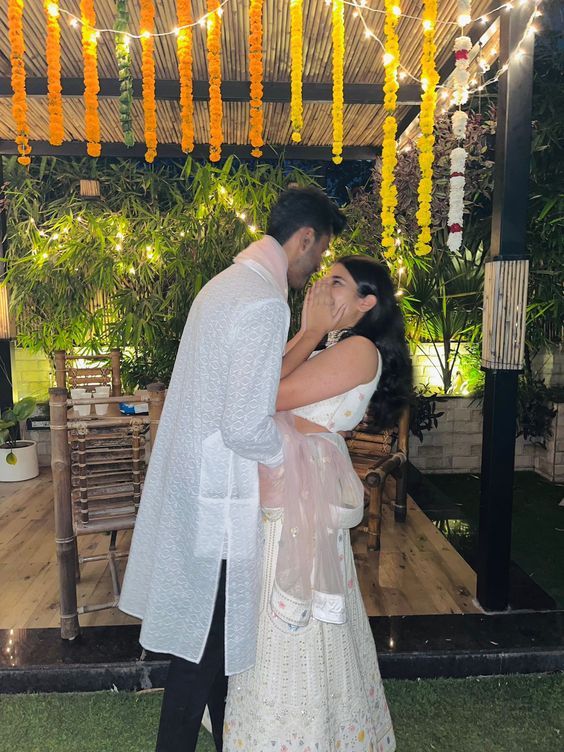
x: 456, y: 445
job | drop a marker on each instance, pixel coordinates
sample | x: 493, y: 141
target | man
x: 194, y: 571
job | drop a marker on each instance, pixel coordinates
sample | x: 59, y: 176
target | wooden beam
x: 201, y: 151
x: 232, y: 91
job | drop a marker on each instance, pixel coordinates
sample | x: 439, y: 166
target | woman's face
x: 344, y: 294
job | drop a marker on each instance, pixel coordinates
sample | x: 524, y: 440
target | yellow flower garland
x: 214, y: 73
x: 296, y: 53
x: 147, y: 23
x: 91, y: 81
x: 53, y: 49
x: 256, y: 75
x: 338, y: 78
x: 388, y: 190
x: 430, y: 79
x: 19, y: 104
x: 184, y: 49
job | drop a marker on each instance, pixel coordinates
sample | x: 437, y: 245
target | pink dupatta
x: 320, y: 494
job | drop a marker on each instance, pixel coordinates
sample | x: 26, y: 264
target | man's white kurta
x: 202, y: 481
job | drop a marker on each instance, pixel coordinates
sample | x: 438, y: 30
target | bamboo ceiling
x: 363, y: 65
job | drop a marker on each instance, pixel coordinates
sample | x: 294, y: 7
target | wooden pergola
x: 363, y: 118
x: 364, y: 77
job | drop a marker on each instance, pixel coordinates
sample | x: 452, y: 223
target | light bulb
x: 396, y: 10
x: 402, y: 75
x: 74, y: 22
x: 388, y: 58
x: 464, y: 19
x: 53, y: 10
x: 427, y: 25
x: 220, y: 12
x: 145, y: 34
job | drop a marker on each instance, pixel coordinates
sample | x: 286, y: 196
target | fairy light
x: 388, y: 58
x: 53, y: 10
x: 396, y: 10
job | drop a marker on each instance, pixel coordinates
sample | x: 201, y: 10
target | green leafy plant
x: 9, y: 423
x: 423, y: 414
x: 535, y: 413
x: 123, y: 271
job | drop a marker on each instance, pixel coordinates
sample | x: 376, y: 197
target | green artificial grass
x: 505, y: 714
x: 538, y: 524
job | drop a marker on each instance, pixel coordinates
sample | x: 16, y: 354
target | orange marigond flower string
x: 214, y: 73
x: 256, y: 74
x: 338, y: 78
x: 91, y: 81
x: 54, y: 95
x: 184, y: 49
x: 19, y: 103
x: 147, y: 24
x: 296, y: 58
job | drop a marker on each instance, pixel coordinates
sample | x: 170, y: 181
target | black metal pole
x: 6, y: 394
x: 508, y: 244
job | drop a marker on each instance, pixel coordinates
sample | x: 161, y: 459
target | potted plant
x: 18, y: 459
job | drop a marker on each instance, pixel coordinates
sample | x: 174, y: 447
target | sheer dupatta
x: 320, y: 494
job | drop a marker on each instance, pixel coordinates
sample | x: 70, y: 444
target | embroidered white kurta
x: 202, y: 481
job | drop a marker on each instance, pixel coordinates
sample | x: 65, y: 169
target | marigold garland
x: 123, y: 55
x: 256, y: 75
x: 388, y: 189
x: 91, y: 81
x: 54, y: 90
x: 147, y: 23
x: 19, y: 104
x: 296, y: 55
x: 184, y: 51
x: 214, y: 73
x: 338, y: 78
x: 430, y: 79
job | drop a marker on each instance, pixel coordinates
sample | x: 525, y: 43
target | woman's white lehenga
x: 315, y: 688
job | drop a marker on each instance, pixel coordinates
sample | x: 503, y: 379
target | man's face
x: 307, y: 261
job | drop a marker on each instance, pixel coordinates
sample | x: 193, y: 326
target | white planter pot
x: 26, y: 465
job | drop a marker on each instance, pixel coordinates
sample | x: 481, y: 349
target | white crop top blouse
x: 344, y: 411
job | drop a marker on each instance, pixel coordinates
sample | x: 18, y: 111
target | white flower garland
x: 459, y: 120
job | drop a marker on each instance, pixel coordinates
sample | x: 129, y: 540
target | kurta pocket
x: 215, y: 468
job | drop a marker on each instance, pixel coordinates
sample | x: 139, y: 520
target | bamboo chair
x: 375, y: 456
x: 98, y: 467
x: 104, y: 371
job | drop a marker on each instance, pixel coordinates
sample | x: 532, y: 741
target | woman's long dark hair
x: 384, y: 326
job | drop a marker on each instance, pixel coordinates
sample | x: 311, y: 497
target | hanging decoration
x: 91, y: 82
x: 429, y: 81
x: 462, y: 47
x: 256, y: 75
x: 54, y: 90
x: 147, y: 23
x: 338, y: 78
x: 296, y: 52
x: 214, y: 73
x: 388, y: 190
x: 19, y: 103
x: 184, y: 51
x: 123, y: 55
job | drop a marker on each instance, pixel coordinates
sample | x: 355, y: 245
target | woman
x: 316, y: 683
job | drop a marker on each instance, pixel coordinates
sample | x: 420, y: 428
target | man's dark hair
x: 304, y: 207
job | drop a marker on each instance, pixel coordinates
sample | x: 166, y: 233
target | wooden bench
x: 375, y: 456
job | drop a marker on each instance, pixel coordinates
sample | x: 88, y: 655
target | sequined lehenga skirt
x: 316, y: 688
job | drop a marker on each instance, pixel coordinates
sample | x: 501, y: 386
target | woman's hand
x: 320, y: 316
x: 303, y: 318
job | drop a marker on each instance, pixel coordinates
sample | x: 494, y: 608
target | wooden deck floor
x: 417, y: 571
